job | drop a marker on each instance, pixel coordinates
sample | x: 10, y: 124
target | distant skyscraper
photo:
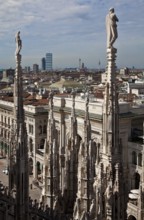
x: 27, y: 69
x: 83, y: 66
x: 35, y: 68
x: 48, y: 61
x: 79, y: 63
x: 43, y: 63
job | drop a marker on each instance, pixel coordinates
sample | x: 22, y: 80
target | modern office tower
x: 35, y: 68
x: 43, y: 63
x: 79, y: 63
x: 48, y: 61
x: 83, y: 66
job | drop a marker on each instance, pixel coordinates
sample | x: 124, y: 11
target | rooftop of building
x: 28, y: 99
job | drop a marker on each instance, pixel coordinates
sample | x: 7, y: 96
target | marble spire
x: 20, y: 144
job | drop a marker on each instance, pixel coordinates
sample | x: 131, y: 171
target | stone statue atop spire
x: 18, y: 43
x: 111, y: 27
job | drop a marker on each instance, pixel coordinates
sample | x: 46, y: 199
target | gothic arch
x: 131, y: 217
x: 78, y: 139
x: 80, y: 132
x: 96, y: 151
x: 72, y: 161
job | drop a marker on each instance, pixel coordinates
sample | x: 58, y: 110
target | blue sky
x: 71, y: 29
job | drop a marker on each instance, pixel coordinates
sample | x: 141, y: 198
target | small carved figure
x: 81, y: 150
x: 18, y: 43
x: 56, y: 204
x: 111, y: 27
x: 92, y: 208
x: 108, y: 194
x: 76, y: 212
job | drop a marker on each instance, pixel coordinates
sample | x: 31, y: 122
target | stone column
x: 62, y: 147
x: 111, y: 124
x: 112, y: 109
x: 35, y: 175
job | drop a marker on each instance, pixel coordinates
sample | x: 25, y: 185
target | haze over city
x: 71, y: 29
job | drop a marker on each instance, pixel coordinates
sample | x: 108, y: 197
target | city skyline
x: 71, y: 30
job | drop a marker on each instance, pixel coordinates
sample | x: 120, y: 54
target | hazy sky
x: 70, y: 29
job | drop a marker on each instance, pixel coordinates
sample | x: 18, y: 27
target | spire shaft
x: 19, y: 149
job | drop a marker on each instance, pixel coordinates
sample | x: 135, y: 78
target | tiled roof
x: 36, y: 102
x: 27, y: 101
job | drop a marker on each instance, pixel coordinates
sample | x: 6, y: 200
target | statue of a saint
x: 55, y: 205
x: 111, y: 27
x: 77, y: 210
x: 18, y: 43
x: 92, y: 208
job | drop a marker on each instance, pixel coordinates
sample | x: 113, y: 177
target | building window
x: 134, y: 158
x: 42, y: 142
x: 8, y: 121
x: 40, y: 129
x: 137, y: 180
x: 44, y: 129
x: 2, y: 132
x: 8, y: 135
x: 140, y: 159
x: 12, y: 122
x: 5, y: 121
x: 30, y: 145
x: 30, y: 129
x: 5, y: 134
x: 2, y: 118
